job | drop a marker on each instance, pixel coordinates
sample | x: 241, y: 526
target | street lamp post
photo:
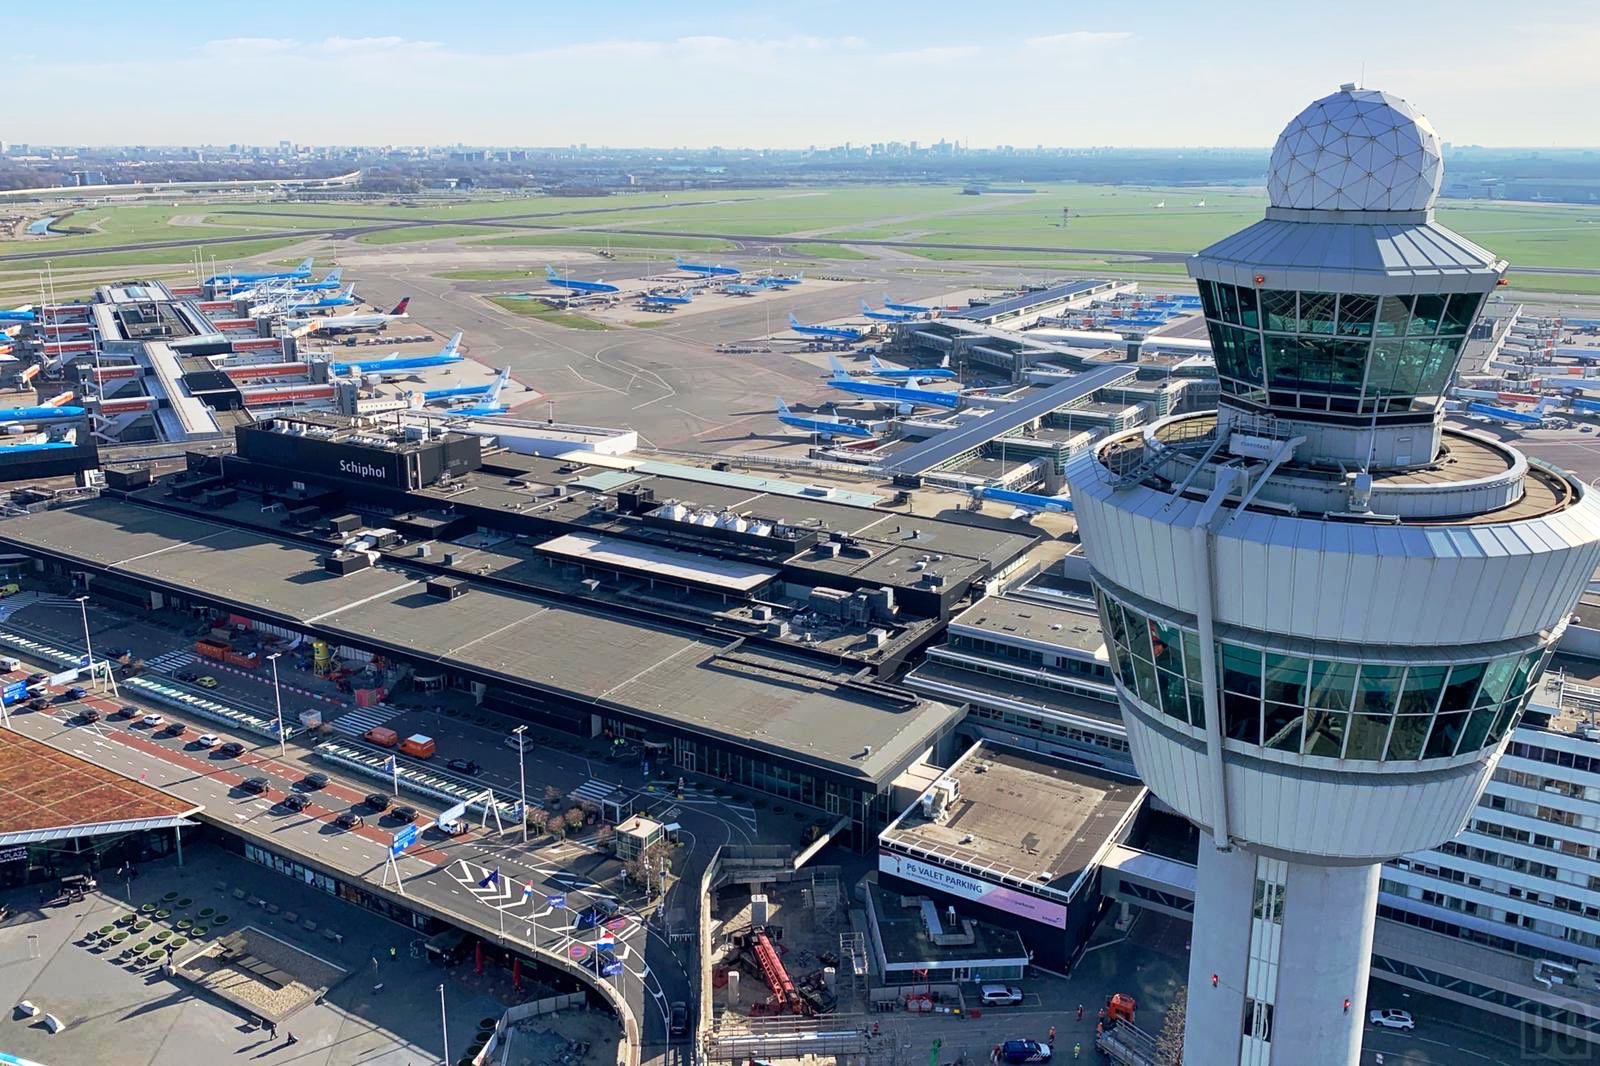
x: 522, y: 777
x: 88, y: 649
x: 444, y: 1028
x: 277, y: 698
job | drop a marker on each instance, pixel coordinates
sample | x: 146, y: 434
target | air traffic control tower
x: 1326, y: 611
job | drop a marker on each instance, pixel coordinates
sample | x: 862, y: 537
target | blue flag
x: 491, y: 878
x: 390, y: 765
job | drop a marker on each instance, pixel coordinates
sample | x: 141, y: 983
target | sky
x: 632, y: 73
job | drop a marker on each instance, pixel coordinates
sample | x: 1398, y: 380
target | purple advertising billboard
x: 999, y: 897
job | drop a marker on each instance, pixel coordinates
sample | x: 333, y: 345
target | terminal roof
x: 795, y: 709
x: 1022, y: 818
x: 1006, y: 616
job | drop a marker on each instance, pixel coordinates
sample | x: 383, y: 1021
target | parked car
x: 1392, y: 1019
x: 127, y: 710
x: 154, y: 719
x: 232, y: 749
x: 1020, y: 1051
x: 378, y: 801
x: 76, y: 692
x: 88, y: 716
x: 404, y: 814
x: 175, y: 729
x: 187, y: 675
x: 208, y: 740
x: 38, y: 679
x: 206, y: 682
x: 315, y: 780
x: 1000, y: 995
x: 679, y: 1025
x: 254, y: 784
x: 296, y: 801
x: 349, y: 820
x: 463, y: 766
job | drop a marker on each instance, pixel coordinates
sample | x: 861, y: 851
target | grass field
x: 1099, y: 217
x: 568, y: 239
x: 545, y: 313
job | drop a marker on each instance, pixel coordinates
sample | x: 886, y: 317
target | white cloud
x: 1078, y: 39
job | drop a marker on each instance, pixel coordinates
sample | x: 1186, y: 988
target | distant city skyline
x: 768, y: 75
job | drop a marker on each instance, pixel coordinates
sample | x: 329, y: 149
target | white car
x: 1000, y: 995
x: 1392, y: 1019
x: 153, y: 719
x: 208, y: 740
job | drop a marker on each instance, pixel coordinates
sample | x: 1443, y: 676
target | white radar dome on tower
x: 1356, y: 150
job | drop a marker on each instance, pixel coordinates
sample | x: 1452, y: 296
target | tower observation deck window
x: 1351, y: 353
x: 1334, y: 708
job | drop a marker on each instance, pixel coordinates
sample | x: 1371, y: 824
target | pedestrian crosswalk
x: 16, y: 602
x: 593, y: 790
x: 172, y: 660
x: 356, y: 722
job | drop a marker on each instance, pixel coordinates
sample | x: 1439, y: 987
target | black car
x: 680, y: 1018
x: 174, y: 729
x: 254, y: 784
x: 232, y: 749
x: 315, y: 780
x: 378, y: 801
x: 296, y: 801
x: 128, y: 710
x: 187, y: 675
x: 38, y: 679
x: 404, y: 814
x: 349, y: 820
x: 39, y: 703
x: 88, y: 716
x: 463, y: 766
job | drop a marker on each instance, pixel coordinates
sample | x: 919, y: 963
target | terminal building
x: 763, y: 628
x: 1014, y: 840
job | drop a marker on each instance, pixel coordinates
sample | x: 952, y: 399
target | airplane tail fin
x: 400, y: 308
x: 839, y: 372
x: 493, y: 395
x: 872, y: 361
x: 783, y: 408
x: 865, y: 309
x: 793, y: 321
x: 944, y: 364
x: 550, y: 272
x: 677, y: 261
x: 305, y: 264
x: 451, y: 345
x: 334, y: 275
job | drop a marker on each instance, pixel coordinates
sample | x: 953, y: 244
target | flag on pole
x: 558, y: 901
x: 605, y: 941
x: 491, y: 878
x: 391, y: 766
x: 527, y: 892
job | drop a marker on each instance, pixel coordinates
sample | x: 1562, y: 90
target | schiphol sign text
x: 997, y: 896
x: 363, y: 470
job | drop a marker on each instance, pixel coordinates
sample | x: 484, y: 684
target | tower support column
x: 1252, y: 914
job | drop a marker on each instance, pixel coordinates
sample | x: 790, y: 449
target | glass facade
x: 1343, y: 352
x: 1335, y: 708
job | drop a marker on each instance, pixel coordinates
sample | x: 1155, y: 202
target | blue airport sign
x: 402, y: 840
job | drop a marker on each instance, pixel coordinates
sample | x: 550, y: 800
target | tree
x: 645, y: 867
x: 552, y: 796
x: 573, y: 819
x: 1169, y: 1042
x: 538, y: 819
x: 603, y: 836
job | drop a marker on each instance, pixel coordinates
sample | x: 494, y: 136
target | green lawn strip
x: 545, y: 313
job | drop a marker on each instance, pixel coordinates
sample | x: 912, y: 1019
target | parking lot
x: 118, y: 1011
